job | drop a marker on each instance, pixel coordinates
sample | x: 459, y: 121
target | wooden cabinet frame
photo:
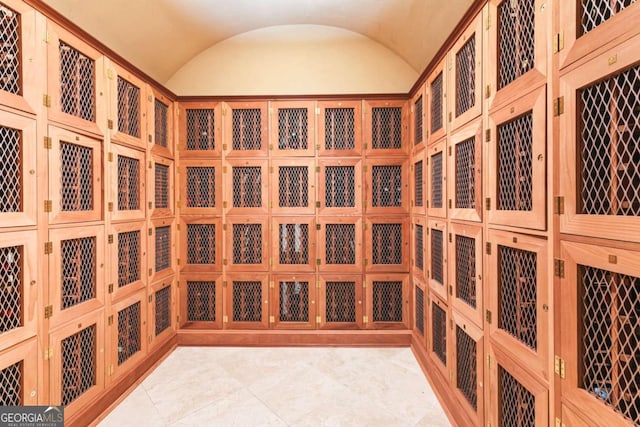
x: 212, y: 302
x: 274, y: 118
x: 57, y: 236
x: 465, y: 134
x: 154, y: 210
x: 439, y: 72
x: 229, y: 322
x: 422, y: 335
x: 470, y: 231
x: 612, y: 226
x: 29, y: 265
x: 322, y: 107
x: 374, y: 311
x: 27, y: 353
x: 114, y: 190
x: 533, y: 103
x: 276, y: 242
x: 325, y: 304
x: 153, y: 227
x: 370, y: 165
x: 323, y: 164
x: 568, y: 314
x: 418, y: 120
x: 185, y: 264
x: 112, y: 330
x: 114, y: 288
x: 276, y: 319
x: 228, y: 263
x: 436, y: 149
x: 418, y: 190
x: 155, y: 146
x: 416, y: 270
x: 440, y: 289
x: 211, y: 189
x: 229, y: 190
x: 204, y: 128
x: 369, y: 244
x: 323, y: 242
x: 26, y: 166
x: 474, y: 30
x: 276, y: 191
x: 369, y: 151
x: 57, y: 215
x: 155, y: 340
x: 443, y: 368
x: 535, y: 360
x: 228, y: 113
x: 115, y: 72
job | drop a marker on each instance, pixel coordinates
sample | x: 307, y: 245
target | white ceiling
x: 160, y: 36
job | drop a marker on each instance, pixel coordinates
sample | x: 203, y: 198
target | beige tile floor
x: 224, y: 386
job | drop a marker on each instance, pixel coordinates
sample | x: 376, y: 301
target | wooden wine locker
x: 246, y: 299
x: 128, y: 107
x: 464, y: 179
x: 418, y: 182
x: 294, y: 299
x: 293, y: 241
x: 200, y: 243
x: 127, y: 246
x: 418, y: 120
x: 436, y: 159
x: 438, y: 340
x: 160, y: 194
x: 340, y: 302
x: 386, y: 244
x: 293, y: 186
x: 201, y: 184
x: 339, y: 128
x: 293, y: 130
x: 19, y: 374
x: 437, y: 103
x: 420, y: 311
x: 340, y: 186
x: 387, y: 301
x: 246, y: 244
x: 386, y: 185
x: 128, y: 187
x: 127, y: 334
x: 162, y: 248
x: 418, y: 247
x: 465, y: 251
x: 246, y: 186
x: 437, y: 256
x: 386, y: 129
x: 200, y: 130
x: 161, y: 312
x: 340, y: 245
x: 246, y: 127
x: 160, y: 125
x: 201, y: 300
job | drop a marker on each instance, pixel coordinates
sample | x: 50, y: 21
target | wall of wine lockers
x: 491, y: 213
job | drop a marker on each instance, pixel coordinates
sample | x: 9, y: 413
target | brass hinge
x: 110, y: 124
x: 450, y: 376
x: 488, y: 21
x: 558, y: 42
x: 111, y: 370
x: 558, y: 268
x: 365, y: 146
x: 149, y: 339
x: 364, y: 226
x: 110, y: 206
x: 110, y: 73
x: 224, y: 169
x: 558, y: 205
x: 272, y: 284
x: 178, y: 204
x: 559, y: 366
x: 110, y: 288
x: 364, y: 284
x: 270, y: 169
x: 487, y: 203
x: 450, y: 238
x: 178, y: 227
x: 365, y: 168
x: 178, y: 284
x: 272, y: 319
x: 451, y: 293
x: 224, y: 147
x: 110, y: 320
x: 270, y: 262
x: 150, y: 138
x: 150, y: 205
x: 151, y: 272
x: 48, y: 311
x: 110, y: 156
x: 450, y: 150
x: 366, y: 261
x: 317, y: 147
x: 318, y: 261
x: 178, y: 318
x: 558, y: 106
x: 487, y: 248
x: 48, y: 142
x: 427, y: 204
x: 488, y: 316
x: 110, y: 239
x: 365, y: 319
x: 450, y: 116
x: 317, y: 205
x: 450, y: 323
x: 317, y: 110
x: 225, y: 319
x: 178, y: 261
x: 45, y: 38
x: 46, y: 100
x: 318, y: 319
x: 150, y: 231
x: 48, y: 205
x: 48, y: 353
x: 318, y: 284
x: 613, y: 259
x: 224, y: 284
x: 450, y: 206
x: 224, y: 227
x: 317, y: 169
x: 48, y: 248
x: 489, y: 361
x: 487, y: 91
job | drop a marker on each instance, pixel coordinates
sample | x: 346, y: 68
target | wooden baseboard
x: 246, y: 338
x: 121, y: 388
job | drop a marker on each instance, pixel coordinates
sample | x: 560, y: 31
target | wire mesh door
x: 437, y: 271
x: 129, y: 334
x: 340, y: 302
x: 418, y: 120
x: 17, y: 386
x: 386, y: 305
x: 161, y: 129
x: 162, y: 310
x: 340, y: 244
x: 200, y: 129
x: 516, y: 403
x: 294, y: 301
x: 247, y: 189
x: 247, y: 301
x: 246, y: 129
x: 436, y: 178
x: 128, y: 97
x: 203, y: 302
x: 128, y: 192
x: 78, y: 279
x: 388, y: 185
x: 340, y: 186
x: 465, y: 178
x: 419, y: 309
x: 77, y: 83
x: 386, y: 130
x: 12, y: 295
x: 202, y: 245
x: 294, y: 244
x: 294, y: 186
x: 465, y: 69
x: 468, y: 370
x: 293, y: 128
x: 418, y: 248
x: 161, y: 201
x: 465, y: 252
x: 129, y: 258
x: 339, y: 128
x: 436, y: 91
x: 78, y: 353
x: 162, y: 248
x: 418, y: 199
x: 247, y: 245
x: 202, y: 184
x: 387, y: 246
x: 128, y: 183
x: 11, y: 50
x: 439, y: 335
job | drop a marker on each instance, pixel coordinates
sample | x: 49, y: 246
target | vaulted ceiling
x: 161, y: 36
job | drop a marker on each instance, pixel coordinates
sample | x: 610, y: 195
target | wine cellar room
x: 460, y: 179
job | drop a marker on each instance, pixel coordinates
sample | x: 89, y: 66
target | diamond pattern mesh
x: 419, y: 246
x: 10, y: 50
x: 247, y: 187
x: 247, y: 301
x: 201, y: 187
x: 10, y: 170
x: 129, y: 257
x: 11, y: 379
x: 200, y: 129
x: 517, y: 404
x: 247, y: 129
x: 77, y: 83
x: 78, y: 364
x: 129, y: 339
x: 128, y: 183
x: 386, y: 125
x: 293, y: 129
x: 340, y: 187
x: 515, y: 164
x: 386, y: 243
x: 387, y: 301
x: 516, y: 39
x: 161, y: 112
x: 466, y: 367
x: 466, y: 174
x: 293, y: 184
x: 517, y: 294
x: 294, y: 301
x: 386, y: 186
x: 417, y: 117
x: 76, y: 177
x: 610, y: 339
x: 201, y: 301
x: 339, y: 129
x: 78, y: 271
x: 247, y: 243
x: 294, y: 243
x: 439, y: 332
x: 128, y: 108
x: 163, y: 248
x: 340, y: 302
x: 437, y: 256
x: 436, y: 180
x: 466, y: 76
x: 610, y: 152
x: 596, y: 12
x: 340, y: 244
x: 163, y: 310
x: 201, y: 244
x: 419, y: 310
x: 466, y: 270
x: 436, y: 103
x: 162, y: 186
x: 418, y: 193
x: 12, y: 284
